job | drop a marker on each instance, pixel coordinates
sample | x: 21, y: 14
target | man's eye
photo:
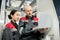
x: 18, y: 15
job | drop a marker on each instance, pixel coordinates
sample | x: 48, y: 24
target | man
x: 29, y: 22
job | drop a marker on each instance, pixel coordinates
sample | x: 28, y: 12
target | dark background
x: 0, y: 3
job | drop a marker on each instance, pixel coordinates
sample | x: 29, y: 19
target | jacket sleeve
x: 35, y: 21
x: 7, y: 34
x: 9, y: 25
x: 21, y: 26
x: 21, y: 22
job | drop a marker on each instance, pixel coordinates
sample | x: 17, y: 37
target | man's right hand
x: 43, y: 30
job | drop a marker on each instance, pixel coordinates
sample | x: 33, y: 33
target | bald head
x: 28, y: 10
x: 27, y: 7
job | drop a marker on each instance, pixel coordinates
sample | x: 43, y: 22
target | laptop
x: 44, y: 21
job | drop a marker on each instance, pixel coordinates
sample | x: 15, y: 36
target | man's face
x: 28, y: 10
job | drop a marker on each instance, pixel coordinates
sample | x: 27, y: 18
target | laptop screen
x: 44, y: 20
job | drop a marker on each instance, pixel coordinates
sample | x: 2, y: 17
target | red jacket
x: 9, y: 25
x: 24, y: 18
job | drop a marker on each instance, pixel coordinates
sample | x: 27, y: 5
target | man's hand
x: 40, y: 30
x: 43, y: 30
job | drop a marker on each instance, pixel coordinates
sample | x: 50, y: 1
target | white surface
x: 47, y: 38
x: 47, y: 6
x: 15, y: 3
x: 44, y: 20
